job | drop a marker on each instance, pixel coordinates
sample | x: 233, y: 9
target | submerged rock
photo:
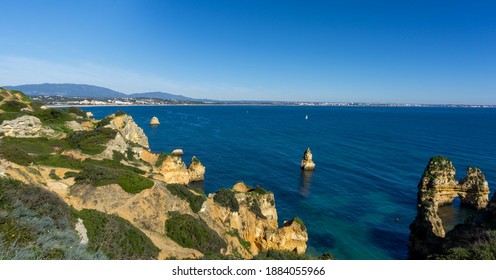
x: 307, y: 162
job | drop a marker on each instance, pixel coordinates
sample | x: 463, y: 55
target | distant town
x: 86, y: 101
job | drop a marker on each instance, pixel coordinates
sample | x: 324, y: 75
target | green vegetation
x: 76, y: 111
x: 190, y: 232
x: 161, y: 158
x: 282, y: 255
x: 117, y: 156
x: 195, y: 160
x: 130, y: 154
x: 117, y: 238
x: 255, y: 208
x: 59, y: 161
x: 119, y: 113
x: 99, y: 174
x: 483, y: 249
x: 36, y: 224
x: 70, y: 174
x: 234, y: 232
x: 105, y: 121
x: 226, y: 198
x: 16, y: 155
x: 7, y: 116
x: 53, y: 175
x: 259, y: 190
x: 91, y: 142
x: 36, y: 145
x: 13, y: 106
x: 195, y: 201
x: 300, y: 222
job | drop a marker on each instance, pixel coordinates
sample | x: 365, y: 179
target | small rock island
x: 307, y: 163
x: 154, y: 121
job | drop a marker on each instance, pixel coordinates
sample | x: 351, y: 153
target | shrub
x: 190, y: 232
x: 53, y: 175
x: 59, y: 161
x: 36, y: 224
x: 134, y: 183
x: 234, y: 232
x: 100, y: 175
x: 116, y: 237
x: 117, y: 156
x: 259, y: 190
x: 226, y: 198
x: 53, y: 116
x: 195, y: 201
x: 16, y: 155
x: 13, y: 106
x: 272, y: 254
x: 70, y: 174
x: 300, y: 222
x: 119, y: 113
x: 76, y: 111
x: 39, y: 145
x: 91, y: 142
x: 255, y: 208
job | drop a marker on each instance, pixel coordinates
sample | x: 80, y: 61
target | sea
x: 361, y: 198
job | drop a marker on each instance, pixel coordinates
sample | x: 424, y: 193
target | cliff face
x: 438, y: 187
x: 126, y: 126
x: 254, y: 219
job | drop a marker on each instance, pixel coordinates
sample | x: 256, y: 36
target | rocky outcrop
x: 254, y: 220
x: 173, y: 171
x: 27, y: 127
x: 177, y: 152
x: 307, y: 163
x: 474, y: 189
x: 196, y: 170
x: 438, y: 187
x: 126, y: 126
x: 74, y: 126
x: 154, y: 121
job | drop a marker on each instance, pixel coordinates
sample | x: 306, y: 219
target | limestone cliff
x: 173, y: 171
x: 251, y: 214
x: 126, y: 126
x: 438, y: 187
x: 307, y: 163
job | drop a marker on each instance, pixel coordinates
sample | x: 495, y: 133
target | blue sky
x: 370, y: 51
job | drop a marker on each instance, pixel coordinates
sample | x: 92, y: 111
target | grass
x: 16, y: 155
x: 194, y: 233
x: 36, y: 224
x: 226, y: 198
x: 59, y: 161
x: 195, y: 201
x: 116, y: 237
x: 38, y: 145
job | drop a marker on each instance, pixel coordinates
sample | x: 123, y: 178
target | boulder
x: 27, y: 127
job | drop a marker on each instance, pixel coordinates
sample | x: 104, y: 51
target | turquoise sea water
x: 361, y: 198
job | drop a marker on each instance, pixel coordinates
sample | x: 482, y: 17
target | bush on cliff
x: 13, y: 106
x: 91, y: 142
x: 195, y: 201
x: 117, y: 238
x: 483, y: 249
x: 272, y: 254
x: 190, y: 232
x: 226, y: 198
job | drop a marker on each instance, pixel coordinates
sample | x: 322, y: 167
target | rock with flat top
x: 154, y: 121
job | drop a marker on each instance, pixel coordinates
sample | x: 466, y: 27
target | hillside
x: 100, y: 192
x: 91, y: 91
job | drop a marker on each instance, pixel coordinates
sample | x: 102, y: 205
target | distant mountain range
x: 90, y: 91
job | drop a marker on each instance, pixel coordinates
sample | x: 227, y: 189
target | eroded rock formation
x: 307, y: 163
x: 27, y: 127
x: 129, y: 129
x: 196, y: 170
x: 438, y: 187
x: 154, y: 121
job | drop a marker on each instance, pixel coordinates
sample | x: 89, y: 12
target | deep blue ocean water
x: 361, y: 198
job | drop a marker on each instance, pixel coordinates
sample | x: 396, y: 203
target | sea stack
x: 307, y: 163
x: 154, y: 121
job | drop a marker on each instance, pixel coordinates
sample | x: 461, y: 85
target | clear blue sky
x: 371, y: 51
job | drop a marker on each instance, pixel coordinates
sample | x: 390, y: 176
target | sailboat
x: 306, y: 117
